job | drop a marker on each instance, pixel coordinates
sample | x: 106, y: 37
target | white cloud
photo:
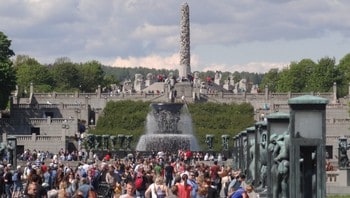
x: 152, y: 61
x: 254, y: 67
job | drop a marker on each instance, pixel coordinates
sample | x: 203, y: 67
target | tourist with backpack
x: 158, y: 189
x: 141, y: 182
x: 17, y: 182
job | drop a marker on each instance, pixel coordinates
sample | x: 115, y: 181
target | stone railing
x: 331, y: 177
x: 48, y: 120
x: 341, y: 121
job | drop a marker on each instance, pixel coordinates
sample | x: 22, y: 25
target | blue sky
x: 226, y: 35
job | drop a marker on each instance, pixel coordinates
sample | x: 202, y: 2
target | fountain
x: 168, y: 128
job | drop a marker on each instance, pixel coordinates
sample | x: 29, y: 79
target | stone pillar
x: 243, y: 150
x: 31, y: 89
x: 334, y: 92
x: 306, y: 165
x: 250, y: 153
x: 99, y: 91
x: 260, y: 153
x: 235, y: 153
x: 185, y: 55
x: 277, y: 133
x: 267, y: 97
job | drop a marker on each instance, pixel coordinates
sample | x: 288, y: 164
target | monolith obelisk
x: 185, y: 55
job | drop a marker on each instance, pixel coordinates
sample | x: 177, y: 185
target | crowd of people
x: 158, y: 175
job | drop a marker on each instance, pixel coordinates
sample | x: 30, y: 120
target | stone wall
x: 66, y: 108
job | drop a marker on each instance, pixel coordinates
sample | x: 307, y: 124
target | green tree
x: 7, y: 72
x: 322, y: 76
x: 28, y: 71
x: 270, y: 79
x: 90, y: 76
x: 343, y: 70
x: 65, y: 75
x: 294, y: 78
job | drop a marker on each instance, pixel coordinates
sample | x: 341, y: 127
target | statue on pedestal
x: 209, y: 140
x: 263, y: 159
x: 128, y: 141
x: 3, y: 150
x: 225, y: 139
x: 121, y: 139
x: 113, y: 141
x: 10, y: 154
x: 343, y: 153
x: 279, y: 148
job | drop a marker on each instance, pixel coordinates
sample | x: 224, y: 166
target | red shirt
x: 213, y: 171
x: 107, y: 157
x: 184, y: 191
x: 43, y: 168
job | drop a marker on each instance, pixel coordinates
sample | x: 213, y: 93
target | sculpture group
x: 284, y: 155
x: 108, y: 143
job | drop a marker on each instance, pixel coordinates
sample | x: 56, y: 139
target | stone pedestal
x: 343, y: 178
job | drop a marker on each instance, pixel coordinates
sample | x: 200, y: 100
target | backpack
x: 139, y: 182
x: 92, y: 194
x: 159, y: 192
x: 15, y: 176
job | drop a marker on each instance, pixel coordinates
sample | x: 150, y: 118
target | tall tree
x: 270, y: 79
x: 90, y: 76
x: 7, y: 72
x: 294, y: 78
x: 28, y: 71
x: 65, y: 75
x: 343, y: 70
x: 322, y: 76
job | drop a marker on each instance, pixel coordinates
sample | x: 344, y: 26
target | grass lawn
x: 338, y: 196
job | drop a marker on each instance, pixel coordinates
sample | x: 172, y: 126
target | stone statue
x: 217, y: 77
x: 149, y: 76
x: 127, y: 87
x: 225, y: 139
x: 128, y: 139
x: 196, y: 80
x: 252, y: 158
x: 209, y: 140
x: 98, y: 142
x: 113, y: 141
x: 242, y: 85
x: 254, y: 89
x: 279, y: 148
x: 343, y: 155
x: 263, y: 159
x: 105, y: 142
x: 231, y: 80
x: 149, y: 79
x: 3, y: 150
x: 90, y: 141
x: 138, y: 83
x: 10, y: 149
x: 185, y: 55
x: 121, y: 139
